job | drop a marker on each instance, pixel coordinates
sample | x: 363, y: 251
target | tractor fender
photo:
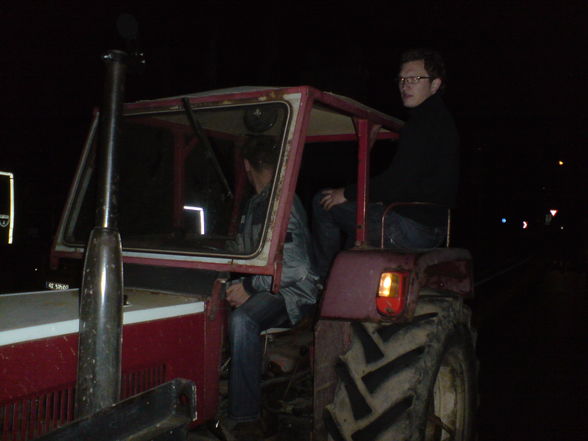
x: 351, y: 289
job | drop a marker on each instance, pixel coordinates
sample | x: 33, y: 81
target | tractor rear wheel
x: 412, y: 381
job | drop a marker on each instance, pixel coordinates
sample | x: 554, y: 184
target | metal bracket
x: 160, y: 414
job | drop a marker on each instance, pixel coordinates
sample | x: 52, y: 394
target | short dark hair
x: 434, y: 64
x: 262, y: 152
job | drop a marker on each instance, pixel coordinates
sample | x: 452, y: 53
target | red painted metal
x: 216, y: 304
x: 35, y: 372
x: 353, y: 281
x: 34, y: 416
x: 231, y: 267
x: 363, y: 173
x: 367, y: 134
x: 215, y: 266
x: 215, y: 97
x: 289, y: 178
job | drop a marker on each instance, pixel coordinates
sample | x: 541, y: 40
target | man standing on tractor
x: 256, y: 307
x: 424, y: 169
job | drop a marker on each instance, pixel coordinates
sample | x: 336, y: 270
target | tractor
x: 392, y: 349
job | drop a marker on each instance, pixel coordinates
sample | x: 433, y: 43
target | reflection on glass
x: 201, y: 225
x: 182, y: 188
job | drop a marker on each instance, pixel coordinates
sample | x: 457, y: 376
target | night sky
x: 518, y: 75
x: 517, y: 79
x: 516, y: 82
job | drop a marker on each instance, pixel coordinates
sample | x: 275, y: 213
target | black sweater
x: 425, y: 167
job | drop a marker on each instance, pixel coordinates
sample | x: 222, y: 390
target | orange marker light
x: 390, y: 299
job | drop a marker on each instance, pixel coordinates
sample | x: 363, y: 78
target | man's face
x: 414, y: 94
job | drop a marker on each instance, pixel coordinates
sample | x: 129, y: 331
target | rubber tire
x: 393, y: 375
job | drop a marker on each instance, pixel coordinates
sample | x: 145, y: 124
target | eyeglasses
x: 410, y: 80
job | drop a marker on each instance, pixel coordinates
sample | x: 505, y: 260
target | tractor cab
x: 183, y: 186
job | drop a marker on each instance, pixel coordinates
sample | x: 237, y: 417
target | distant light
x: 561, y: 228
x: 503, y: 220
x: 553, y: 212
x: 560, y: 163
x: 525, y: 225
x: 8, y: 219
x: 200, y: 210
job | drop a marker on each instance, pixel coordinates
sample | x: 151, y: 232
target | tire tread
x: 398, y: 358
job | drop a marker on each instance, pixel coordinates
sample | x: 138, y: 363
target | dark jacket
x: 425, y: 167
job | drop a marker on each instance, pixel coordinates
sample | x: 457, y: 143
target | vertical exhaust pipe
x: 101, y: 295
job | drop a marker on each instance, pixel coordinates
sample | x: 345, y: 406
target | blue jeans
x: 262, y: 311
x: 327, y: 229
x: 401, y: 233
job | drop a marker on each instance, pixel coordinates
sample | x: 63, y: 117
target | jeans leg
x: 405, y: 233
x: 327, y: 226
x: 261, y: 311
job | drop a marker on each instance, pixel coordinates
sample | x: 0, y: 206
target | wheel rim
x: 447, y: 413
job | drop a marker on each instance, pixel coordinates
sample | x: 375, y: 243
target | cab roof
x: 332, y: 116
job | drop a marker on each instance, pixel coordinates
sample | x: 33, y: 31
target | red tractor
x: 393, y: 350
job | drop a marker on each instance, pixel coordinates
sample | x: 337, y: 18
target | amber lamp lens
x: 390, y: 299
x: 389, y: 284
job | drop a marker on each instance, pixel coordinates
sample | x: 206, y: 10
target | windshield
x: 183, y: 185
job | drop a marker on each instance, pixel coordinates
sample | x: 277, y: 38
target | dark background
x: 517, y: 81
x: 517, y: 86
